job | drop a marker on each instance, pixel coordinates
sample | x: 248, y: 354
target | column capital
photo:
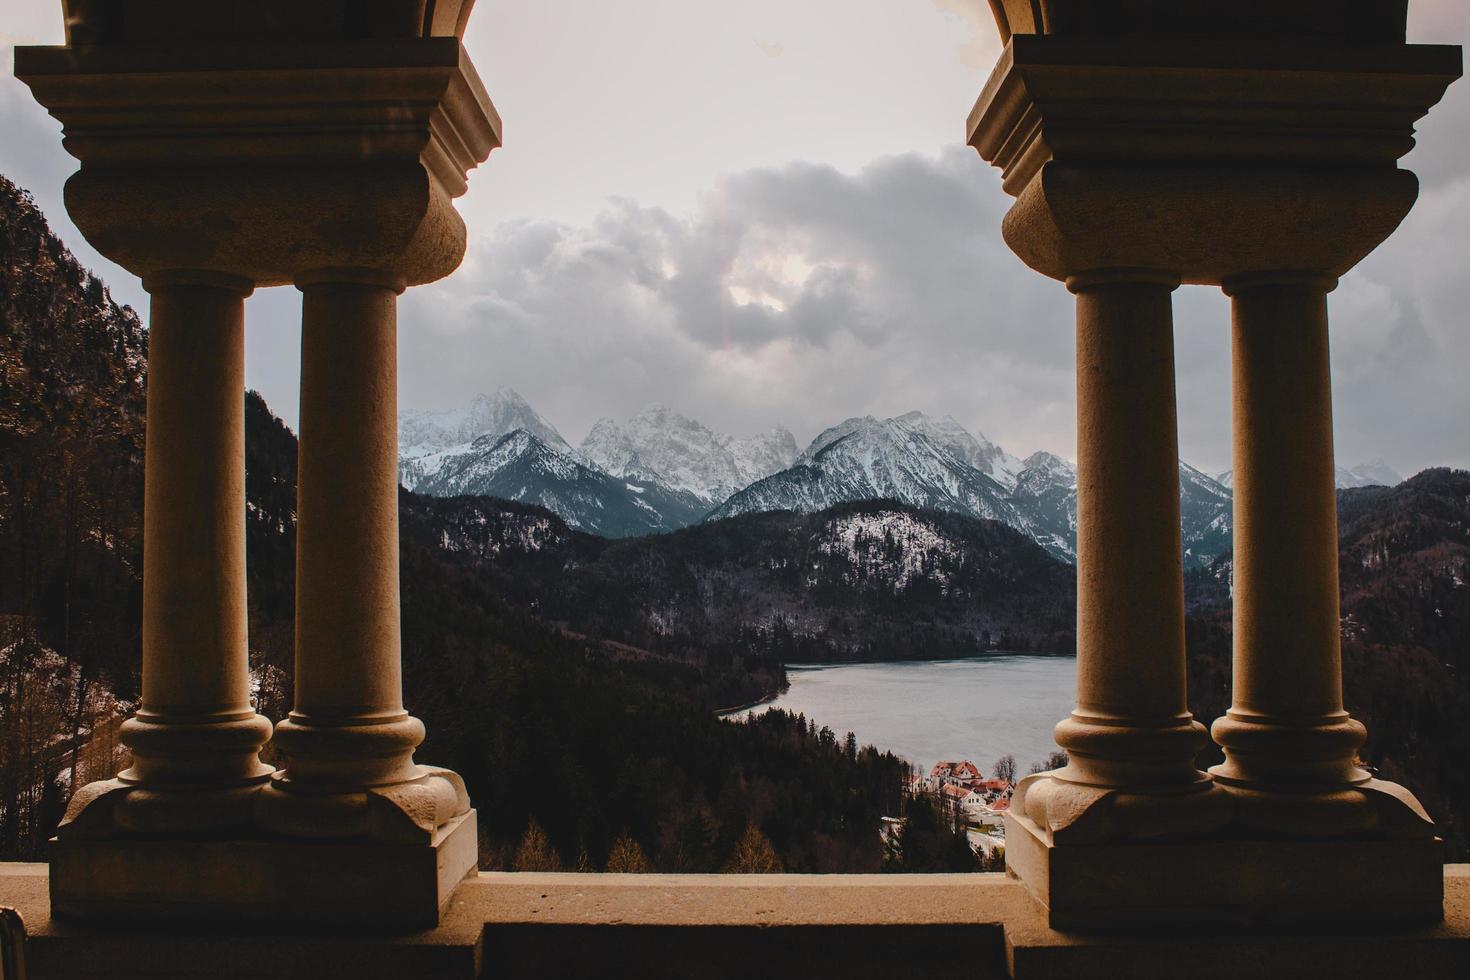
x: 1214, y: 156
x: 171, y: 278
x: 1320, y: 281
x: 1081, y: 282
x: 261, y: 159
x: 347, y: 276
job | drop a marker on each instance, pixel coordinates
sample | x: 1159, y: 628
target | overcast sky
x: 763, y: 213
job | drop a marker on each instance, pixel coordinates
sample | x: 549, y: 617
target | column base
x: 1368, y: 806
x: 412, y: 811
x: 1073, y: 811
x: 1266, y: 883
x: 397, y: 885
x: 119, y: 808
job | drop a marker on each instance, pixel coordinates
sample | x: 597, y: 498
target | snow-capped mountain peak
x: 660, y: 470
x: 659, y: 443
x: 1374, y: 474
x: 519, y: 466
x: 496, y: 414
x: 427, y: 439
x: 973, y: 450
x: 868, y: 458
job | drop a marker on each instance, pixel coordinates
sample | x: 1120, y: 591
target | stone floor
x: 750, y: 927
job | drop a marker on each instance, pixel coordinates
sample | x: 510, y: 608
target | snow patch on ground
x: 896, y: 546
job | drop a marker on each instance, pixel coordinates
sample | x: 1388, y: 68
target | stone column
x: 1131, y: 740
x: 349, y: 742
x: 1290, y: 747
x: 195, y: 739
x: 174, y: 176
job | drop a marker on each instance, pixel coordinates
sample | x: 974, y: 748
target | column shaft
x: 194, y: 629
x: 195, y: 724
x: 1131, y: 725
x: 349, y: 726
x: 1130, y: 607
x: 1287, y: 657
x: 347, y: 626
x: 1286, y: 728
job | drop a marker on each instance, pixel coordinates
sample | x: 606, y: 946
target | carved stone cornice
x: 1190, y: 101
x: 262, y: 160
x: 341, y: 102
x: 1206, y: 157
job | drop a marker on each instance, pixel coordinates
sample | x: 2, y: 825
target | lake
x: 978, y: 708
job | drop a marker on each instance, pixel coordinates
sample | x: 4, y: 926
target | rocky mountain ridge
x: 520, y: 466
x: 660, y: 444
x: 660, y: 471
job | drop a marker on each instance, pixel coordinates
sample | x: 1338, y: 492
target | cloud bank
x: 802, y: 295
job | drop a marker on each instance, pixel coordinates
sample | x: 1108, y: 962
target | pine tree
x: 627, y: 857
x: 753, y: 855
x: 535, y: 852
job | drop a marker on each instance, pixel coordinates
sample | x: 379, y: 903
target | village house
x: 954, y: 798
x: 966, y: 775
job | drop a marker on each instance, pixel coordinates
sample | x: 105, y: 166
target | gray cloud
x: 797, y: 295
x: 803, y: 295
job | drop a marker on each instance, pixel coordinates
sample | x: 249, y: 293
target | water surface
x: 978, y: 708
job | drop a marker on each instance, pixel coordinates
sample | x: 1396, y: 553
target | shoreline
x: 989, y: 655
x: 742, y: 708
x: 987, y: 705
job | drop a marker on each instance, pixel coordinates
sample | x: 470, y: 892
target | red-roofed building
x: 955, y: 797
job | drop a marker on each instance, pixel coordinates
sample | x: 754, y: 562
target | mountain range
x: 1374, y: 474
x: 660, y: 471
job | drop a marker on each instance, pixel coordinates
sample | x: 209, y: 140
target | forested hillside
x: 873, y: 580
x: 71, y: 505
x: 72, y: 368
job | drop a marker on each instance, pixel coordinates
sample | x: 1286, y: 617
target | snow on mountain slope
x: 896, y: 545
x: 868, y: 459
x: 1045, y: 493
x: 427, y: 440
x: 661, y: 470
x: 1374, y: 474
x: 519, y: 466
x: 663, y: 445
x: 976, y: 450
x: 1205, y: 515
x: 925, y: 463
